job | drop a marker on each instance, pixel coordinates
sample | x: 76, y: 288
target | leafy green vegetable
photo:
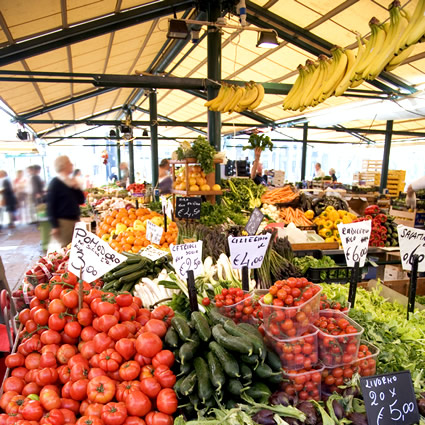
x: 219, y: 214
x: 420, y: 299
x: 259, y: 141
x: 401, y: 341
x: 243, y: 193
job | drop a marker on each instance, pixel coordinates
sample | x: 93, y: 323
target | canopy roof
x: 129, y: 36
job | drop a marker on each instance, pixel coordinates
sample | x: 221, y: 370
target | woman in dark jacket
x: 9, y: 201
x: 64, y: 198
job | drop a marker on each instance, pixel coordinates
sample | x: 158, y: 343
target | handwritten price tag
x: 153, y: 232
x: 412, y: 242
x: 167, y: 206
x: 188, y: 208
x: 186, y: 257
x: 390, y: 399
x: 355, y: 241
x: 153, y: 253
x: 91, y: 254
x: 248, y: 251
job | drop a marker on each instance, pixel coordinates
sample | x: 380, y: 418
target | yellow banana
x: 414, y: 30
x: 251, y: 94
x: 239, y: 92
x: 310, y: 67
x: 381, y: 37
x: 229, y: 96
x: 295, y: 88
x: 315, y: 90
x: 400, y: 58
x: 339, y: 65
x: 351, y: 58
x: 259, y: 98
x: 217, y: 98
x: 221, y: 95
x: 310, y: 84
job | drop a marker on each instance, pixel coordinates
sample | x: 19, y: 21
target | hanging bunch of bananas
x: 388, y: 46
x: 232, y: 98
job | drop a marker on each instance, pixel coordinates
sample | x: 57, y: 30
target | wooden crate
x: 364, y: 179
x: 371, y: 165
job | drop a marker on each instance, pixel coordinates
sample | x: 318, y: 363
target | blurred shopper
x: 257, y: 169
x: 332, y: 174
x: 79, y: 178
x: 125, y: 173
x: 8, y: 199
x: 64, y: 198
x: 36, y: 191
x: 319, y: 173
x: 165, y: 181
x: 20, y: 186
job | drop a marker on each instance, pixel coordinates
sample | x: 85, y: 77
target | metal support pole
x: 153, y: 116
x: 386, y: 158
x: 117, y: 132
x: 131, y: 161
x: 214, y: 72
x: 304, y: 151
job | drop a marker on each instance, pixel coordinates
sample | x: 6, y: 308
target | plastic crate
x: 315, y: 253
x: 235, y: 311
x: 296, y: 353
x: 305, y: 384
x: 276, y: 318
x: 337, y: 350
x: 338, y: 274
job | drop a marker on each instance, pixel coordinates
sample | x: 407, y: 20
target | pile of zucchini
x: 218, y: 361
x: 125, y: 276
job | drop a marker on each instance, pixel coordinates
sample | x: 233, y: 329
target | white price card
x: 355, y: 241
x: 412, y: 242
x: 153, y: 232
x: 248, y: 251
x: 91, y: 255
x: 187, y: 256
x: 167, y: 206
x: 153, y: 253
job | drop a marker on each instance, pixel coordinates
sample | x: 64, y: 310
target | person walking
x: 9, y: 202
x: 332, y: 174
x: 165, y: 181
x: 319, y: 173
x: 20, y: 185
x: 64, y: 198
x: 36, y: 191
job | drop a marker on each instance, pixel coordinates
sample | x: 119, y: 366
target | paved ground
x: 19, y: 250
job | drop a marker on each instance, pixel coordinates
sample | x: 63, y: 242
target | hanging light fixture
x: 112, y: 133
x: 145, y: 133
x: 267, y: 39
x: 177, y: 28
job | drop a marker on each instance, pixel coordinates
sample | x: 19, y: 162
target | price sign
x: 390, y: 399
x: 248, y: 251
x: 254, y: 221
x: 412, y: 242
x: 188, y: 208
x: 167, y: 206
x: 355, y: 241
x: 153, y: 232
x: 186, y: 257
x: 91, y: 254
x: 153, y: 253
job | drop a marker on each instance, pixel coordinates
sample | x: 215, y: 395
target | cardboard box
x: 394, y: 273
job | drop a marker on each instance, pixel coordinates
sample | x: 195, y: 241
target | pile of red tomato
x: 235, y: 304
x: 101, y: 365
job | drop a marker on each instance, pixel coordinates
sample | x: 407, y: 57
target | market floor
x: 19, y: 250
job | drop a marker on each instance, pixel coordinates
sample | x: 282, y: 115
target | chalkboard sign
x: 254, y: 221
x: 188, y: 208
x: 390, y: 399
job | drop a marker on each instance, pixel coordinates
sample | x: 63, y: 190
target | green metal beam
x: 153, y: 116
x: 386, y: 156
x: 304, y: 152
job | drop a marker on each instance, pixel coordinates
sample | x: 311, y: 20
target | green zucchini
x: 134, y: 260
x: 188, y: 350
x: 205, y: 390
x: 235, y: 387
x: 201, y: 325
x: 132, y: 268
x: 188, y: 384
x: 228, y: 362
x: 107, y: 277
x: 181, y: 327
x: 233, y: 329
x: 217, y: 377
x: 171, y: 338
x: 132, y: 277
x: 232, y: 343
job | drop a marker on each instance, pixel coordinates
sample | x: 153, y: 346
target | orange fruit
x: 146, y: 243
x: 130, y: 240
x: 126, y: 247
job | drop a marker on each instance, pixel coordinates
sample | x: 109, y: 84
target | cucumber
x: 201, y: 325
x: 275, y: 379
x: 176, y: 387
x: 134, y: 260
x: 132, y: 277
x: 228, y: 362
x: 188, y: 384
x: 235, y: 387
x: 259, y: 392
x: 171, y: 338
x: 181, y: 327
x: 217, y: 377
x: 232, y: 343
x: 250, y: 328
x: 107, y: 277
x: 205, y: 390
x: 132, y: 268
x: 217, y: 317
x: 188, y: 350
x: 231, y: 404
x: 185, y: 368
x: 194, y: 400
x: 233, y: 329
x: 253, y: 359
x: 264, y: 371
x: 273, y: 361
x: 246, y: 373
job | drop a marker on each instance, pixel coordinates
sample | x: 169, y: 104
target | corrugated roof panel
x: 414, y: 74
x: 334, y: 33
x: 84, y: 10
x: 22, y: 98
x: 297, y: 13
x: 321, y: 6
x: 52, y: 92
x: 127, y: 4
x: 25, y: 18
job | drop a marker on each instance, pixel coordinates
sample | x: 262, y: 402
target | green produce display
x: 304, y: 263
x: 212, y: 215
x: 243, y: 193
x: 420, y: 299
x: 259, y: 141
x: 201, y: 150
x: 320, y: 204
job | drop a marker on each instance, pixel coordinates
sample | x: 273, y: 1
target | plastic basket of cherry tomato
x: 296, y: 353
x: 326, y: 304
x: 235, y: 303
x: 366, y: 358
x: 339, y: 338
x: 334, y: 377
x: 306, y: 384
x: 290, y: 307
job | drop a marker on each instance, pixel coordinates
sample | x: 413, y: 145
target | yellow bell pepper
x: 338, y: 222
x: 328, y: 224
x: 105, y: 237
x: 342, y: 213
x: 330, y: 208
x: 352, y: 216
x: 333, y: 215
x: 309, y: 214
x: 330, y: 239
x: 130, y: 229
x: 325, y: 233
x: 347, y: 220
x: 336, y: 233
x: 120, y: 227
x: 324, y: 214
x: 137, y: 225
